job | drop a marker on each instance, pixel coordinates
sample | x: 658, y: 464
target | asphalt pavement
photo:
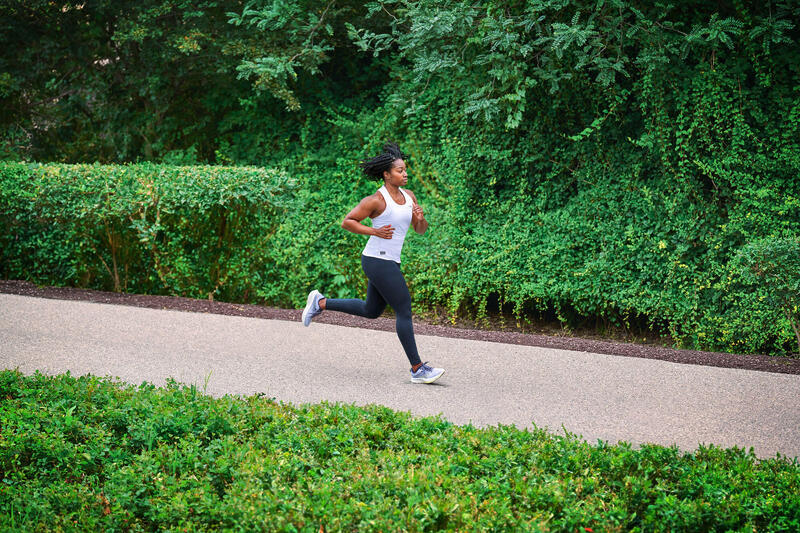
x: 596, y: 396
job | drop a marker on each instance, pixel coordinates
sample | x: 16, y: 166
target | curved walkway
x: 487, y: 383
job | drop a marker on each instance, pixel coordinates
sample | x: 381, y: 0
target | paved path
x: 597, y: 396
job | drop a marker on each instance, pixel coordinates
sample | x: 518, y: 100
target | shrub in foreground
x: 90, y: 453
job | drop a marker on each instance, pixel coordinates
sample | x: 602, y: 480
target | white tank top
x: 399, y: 216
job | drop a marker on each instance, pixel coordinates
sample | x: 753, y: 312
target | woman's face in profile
x: 396, y: 175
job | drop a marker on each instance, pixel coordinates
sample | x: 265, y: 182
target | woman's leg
x: 390, y: 283
x: 371, y: 308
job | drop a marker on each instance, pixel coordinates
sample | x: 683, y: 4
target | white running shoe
x: 426, y: 374
x: 312, y: 306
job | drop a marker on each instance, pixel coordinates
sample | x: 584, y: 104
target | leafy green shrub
x: 84, y: 453
x: 197, y: 231
x: 774, y: 264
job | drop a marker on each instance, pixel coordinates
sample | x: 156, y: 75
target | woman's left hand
x: 417, y: 213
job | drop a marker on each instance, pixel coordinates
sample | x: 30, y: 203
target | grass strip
x: 90, y: 453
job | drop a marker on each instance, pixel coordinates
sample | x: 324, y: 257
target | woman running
x: 392, y: 210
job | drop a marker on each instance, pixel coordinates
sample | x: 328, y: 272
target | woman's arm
x: 364, y: 209
x: 417, y: 216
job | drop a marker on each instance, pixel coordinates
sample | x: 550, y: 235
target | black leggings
x: 386, y: 285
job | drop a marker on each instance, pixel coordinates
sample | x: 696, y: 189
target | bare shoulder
x: 411, y: 194
x: 374, y: 200
x: 373, y: 205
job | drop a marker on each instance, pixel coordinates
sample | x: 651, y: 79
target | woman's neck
x: 391, y: 188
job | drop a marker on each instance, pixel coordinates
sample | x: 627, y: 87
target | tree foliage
x: 581, y: 158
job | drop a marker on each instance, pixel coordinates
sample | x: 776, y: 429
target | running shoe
x: 312, y: 306
x: 426, y: 374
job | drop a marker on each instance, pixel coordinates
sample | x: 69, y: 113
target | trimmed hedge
x: 93, y: 454
x: 196, y: 231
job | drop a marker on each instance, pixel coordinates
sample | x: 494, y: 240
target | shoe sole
x: 429, y: 380
x: 309, y: 303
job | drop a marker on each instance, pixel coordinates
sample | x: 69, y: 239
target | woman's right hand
x: 384, y: 232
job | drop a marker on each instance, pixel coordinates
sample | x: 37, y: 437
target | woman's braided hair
x: 376, y: 166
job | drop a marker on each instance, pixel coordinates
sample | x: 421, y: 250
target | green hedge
x: 92, y: 454
x: 625, y: 250
x: 195, y: 231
